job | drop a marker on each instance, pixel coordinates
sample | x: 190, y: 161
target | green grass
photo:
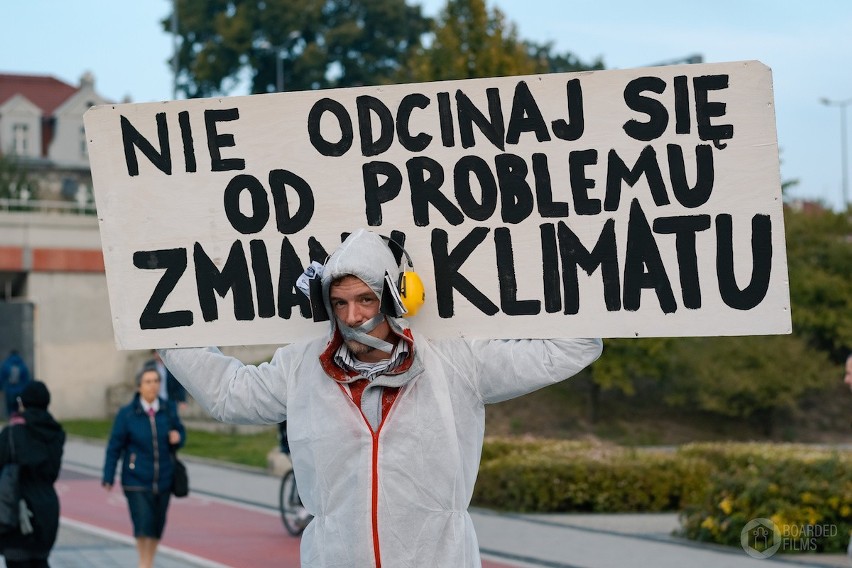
x: 242, y: 449
x: 98, y: 429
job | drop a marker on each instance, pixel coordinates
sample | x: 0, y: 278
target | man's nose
x: 353, y: 315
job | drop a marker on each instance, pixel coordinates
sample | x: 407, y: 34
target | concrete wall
x: 46, y: 230
x: 75, y: 354
x: 73, y: 345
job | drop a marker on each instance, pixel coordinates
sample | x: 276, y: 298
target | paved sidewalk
x: 511, y: 541
x: 85, y: 546
x: 615, y: 541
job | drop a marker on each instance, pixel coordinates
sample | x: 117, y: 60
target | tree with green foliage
x: 550, y: 61
x: 316, y: 43
x: 819, y: 260
x: 762, y: 379
x: 471, y: 41
x: 627, y: 363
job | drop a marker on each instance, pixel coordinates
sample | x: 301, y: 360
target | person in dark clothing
x: 39, y: 441
x: 14, y: 377
x: 170, y: 388
x: 141, y: 437
x: 283, y: 443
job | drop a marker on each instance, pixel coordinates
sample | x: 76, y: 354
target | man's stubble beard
x: 357, y: 348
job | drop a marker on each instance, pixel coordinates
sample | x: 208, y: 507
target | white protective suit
x: 396, y: 496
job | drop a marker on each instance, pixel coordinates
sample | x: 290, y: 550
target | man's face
x: 353, y: 303
x: 848, y: 377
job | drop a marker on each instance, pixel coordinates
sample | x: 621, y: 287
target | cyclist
x: 283, y: 445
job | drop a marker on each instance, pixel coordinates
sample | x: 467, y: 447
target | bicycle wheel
x: 293, y: 514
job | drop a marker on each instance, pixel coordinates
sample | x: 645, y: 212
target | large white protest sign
x: 642, y: 202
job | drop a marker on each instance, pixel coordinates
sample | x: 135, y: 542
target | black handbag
x: 180, y: 479
x: 14, y: 513
x: 10, y: 496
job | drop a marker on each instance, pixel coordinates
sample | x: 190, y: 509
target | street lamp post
x: 278, y: 51
x: 279, y: 71
x: 175, y: 62
x: 843, y: 152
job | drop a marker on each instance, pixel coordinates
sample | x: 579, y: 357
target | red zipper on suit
x: 374, y: 484
x: 339, y: 375
x: 375, y: 494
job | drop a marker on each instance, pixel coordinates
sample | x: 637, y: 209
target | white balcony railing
x: 40, y: 206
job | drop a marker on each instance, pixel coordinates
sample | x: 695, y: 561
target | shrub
x: 806, y: 492
x: 717, y: 487
x: 560, y: 476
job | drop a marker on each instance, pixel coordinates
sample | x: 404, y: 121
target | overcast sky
x: 808, y: 45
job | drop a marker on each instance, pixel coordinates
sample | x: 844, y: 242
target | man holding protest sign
x: 385, y: 426
x: 628, y: 203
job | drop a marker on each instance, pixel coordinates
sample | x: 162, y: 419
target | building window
x: 20, y: 139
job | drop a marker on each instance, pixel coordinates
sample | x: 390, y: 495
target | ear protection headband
x: 407, y: 295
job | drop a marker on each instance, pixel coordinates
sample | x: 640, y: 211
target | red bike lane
x: 225, y: 532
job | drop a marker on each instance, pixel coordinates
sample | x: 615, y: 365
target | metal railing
x: 42, y: 206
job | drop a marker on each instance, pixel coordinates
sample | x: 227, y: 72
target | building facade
x: 54, y: 302
x: 52, y: 282
x: 56, y: 292
x: 41, y: 130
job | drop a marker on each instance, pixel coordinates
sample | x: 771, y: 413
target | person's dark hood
x: 43, y: 426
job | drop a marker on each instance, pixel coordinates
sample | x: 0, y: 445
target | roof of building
x: 44, y: 91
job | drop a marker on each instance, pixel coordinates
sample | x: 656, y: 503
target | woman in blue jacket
x: 141, y: 437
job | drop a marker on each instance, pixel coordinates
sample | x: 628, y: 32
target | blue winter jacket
x: 143, y: 447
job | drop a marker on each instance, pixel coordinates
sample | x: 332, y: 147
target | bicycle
x: 293, y: 513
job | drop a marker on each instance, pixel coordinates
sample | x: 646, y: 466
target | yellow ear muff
x: 412, y: 292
